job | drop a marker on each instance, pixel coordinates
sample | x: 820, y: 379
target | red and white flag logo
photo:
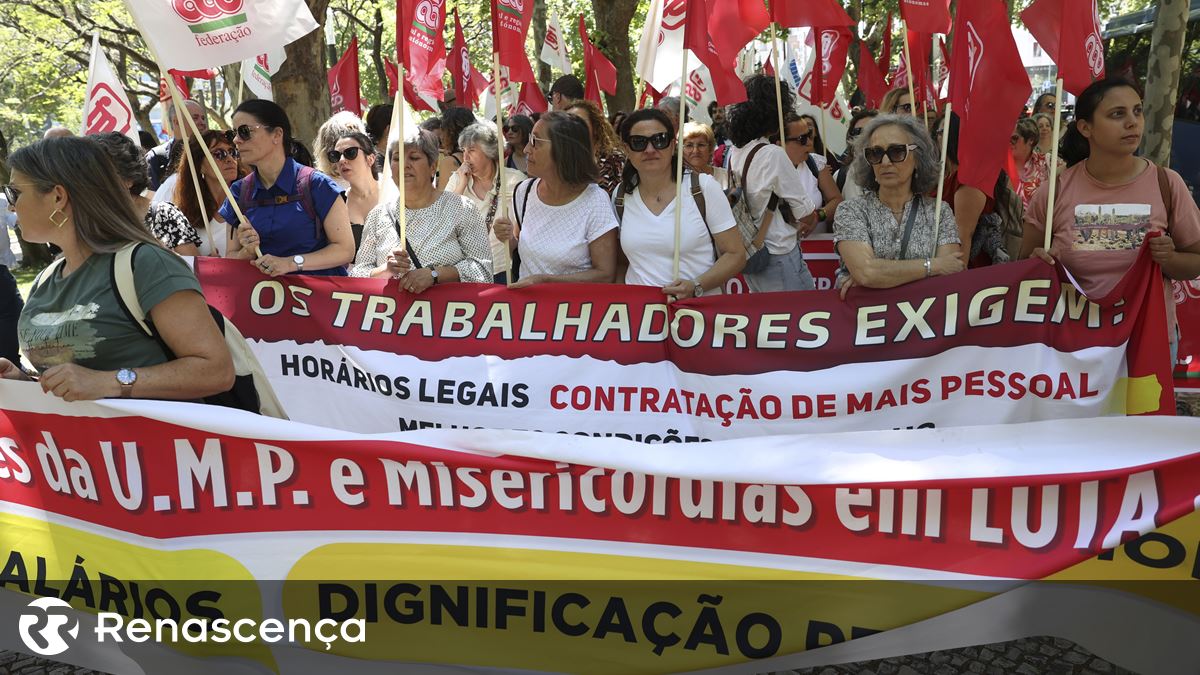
x: 105, y: 107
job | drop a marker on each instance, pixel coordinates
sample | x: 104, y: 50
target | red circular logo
x: 198, y: 11
x: 674, y: 14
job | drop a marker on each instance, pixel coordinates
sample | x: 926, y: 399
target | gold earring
x: 59, y: 213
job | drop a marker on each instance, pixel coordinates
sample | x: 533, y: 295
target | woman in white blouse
x: 477, y: 180
x: 447, y: 241
x: 710, y: 247
x: 562, y: 224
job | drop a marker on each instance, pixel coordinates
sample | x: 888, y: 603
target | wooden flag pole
x: 398, y: 121
x: 501, y: 197
x: 679, y: 165
x: 775, y: 51
x: 1058, y: 91
x: 182, y: 126
x: 912, y: 97
x: 941, y: 184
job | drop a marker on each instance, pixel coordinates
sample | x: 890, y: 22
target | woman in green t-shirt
x: 73, y: 328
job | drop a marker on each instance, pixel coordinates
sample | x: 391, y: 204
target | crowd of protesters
x: 585, y: 199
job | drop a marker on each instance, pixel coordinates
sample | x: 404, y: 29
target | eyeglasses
x: 895, y: 153
x: 222, y: 155
x: 335, y: 156
x: 245, y: 131
x: 11, y: 193
x: 905, y: 108
x: 534, y: 140
x: 802, y: 139
x: 690, y: 147
x: 660, y: 141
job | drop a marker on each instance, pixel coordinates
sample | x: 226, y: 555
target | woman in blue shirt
x: 299, y: 222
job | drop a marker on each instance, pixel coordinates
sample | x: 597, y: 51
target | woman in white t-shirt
x: 710, y: 247
x: 565, y: 230
x: 813, y: 168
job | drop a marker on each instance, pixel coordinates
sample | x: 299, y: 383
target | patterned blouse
x: 869, y: 220
x: 611, y: 166
x: 168, y: 224
x: 1037, y: 169
x: 449, y: 232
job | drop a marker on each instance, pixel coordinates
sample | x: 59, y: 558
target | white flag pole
x: 501, y: 202
x: 778, y: 89
x: 187, y: 156
x: 937, y: 206
x: 912, y: 97
x: 1058, y: 91
x: 679, y: 166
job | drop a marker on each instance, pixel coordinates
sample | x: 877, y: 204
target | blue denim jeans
x: 10, y: 309
x: 785, y: 272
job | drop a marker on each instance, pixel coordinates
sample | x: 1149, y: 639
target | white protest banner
x: 330, y: 551
x: 105, y: 106
x: 195, y: 34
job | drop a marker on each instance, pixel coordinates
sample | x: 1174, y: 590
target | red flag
x: 164, y: 92
x: 830, y: 63
x: 651, y: 94
x: 600, y: 72
x: 988, y: 87
x: 885, y: 54
x: 943, y: 70
x: 206, y: 74
x: 789, y: 13
x: 419, y: 27
x: 393, y: 76
x: 918, y: 54
x: 469, y: 83
x: 510, y: 23
x: 727, y: 86
x: 531, y: 99
x: 926, y: 16
x: 343, y: 81
x: 1069, y: 32
x: 870, y: 80
x: 737, y: 22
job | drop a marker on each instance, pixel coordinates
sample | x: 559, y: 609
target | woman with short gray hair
x: 447, y: 241
x: 478, y: 179
x: 886, y: 236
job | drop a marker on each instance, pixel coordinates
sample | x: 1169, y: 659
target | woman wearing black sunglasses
x: 211, y: 195
x: 710, y: 247
x: 886, y: 236
x: 354, y: 157
x: 814, y: 170
x: 298, y: 216
x: 516, y: 136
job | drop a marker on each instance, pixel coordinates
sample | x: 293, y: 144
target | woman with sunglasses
x: 211, y: 193
x: 1044, y: 104
x: 609, y: 160
x: 333, y: 129
x: 297, y: 216
x: 354, y: 158
x: 478, y: 179
x: 446, y: 237
x: 516, y: 136
x: 562, y: 224
x: 886, y: 237
x: 896, y: 102
x: 66, y: 192
x: 814, y: 172
x: 710, y: 247
x: 1098, y: 245
x: 770, y: 178
x: 164, y: 220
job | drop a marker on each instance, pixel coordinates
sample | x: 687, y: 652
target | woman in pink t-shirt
x: 1109, y: 198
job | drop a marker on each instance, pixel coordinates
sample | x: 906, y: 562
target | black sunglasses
x: 905, y: 108
x: 220, y: 155
x: 11, y: 193
x: 853, y: 133
x: 660, y: 141
x: 802, y: 139
x: 334, y: 156
x: 895, y: 153
x: 245, y: 131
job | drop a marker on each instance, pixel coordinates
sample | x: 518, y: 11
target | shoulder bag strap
x: 126, y: 288
x: 908, y: 226
x: 772, y: 202
x: 51, y: 269
x: 1164, y: 188
x: 619, y: 202
x: 702, y: 207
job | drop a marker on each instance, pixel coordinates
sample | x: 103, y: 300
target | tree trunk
x: 377, y: 56
x: 544, y: 75
x: 612, y: 27
x: 1162, y: 81
x: 300, y: 87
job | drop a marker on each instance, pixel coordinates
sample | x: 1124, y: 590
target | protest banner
x: 1008, y: 343
x: 552, y: 553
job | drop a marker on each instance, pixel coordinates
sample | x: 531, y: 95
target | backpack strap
x: 812, y: 166
x: 246, y: 191
x: 619, y: 201
x: 1164, y: 189
x: 123, y: 283
x: 702, y: 207
x: 304, y: 188
x: 50, y: 269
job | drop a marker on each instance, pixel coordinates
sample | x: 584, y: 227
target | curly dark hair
x: 757, y: 116
x: 128, y: 159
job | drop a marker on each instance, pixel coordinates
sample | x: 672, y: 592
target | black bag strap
x: 520, y: 212
x: 908, y: 226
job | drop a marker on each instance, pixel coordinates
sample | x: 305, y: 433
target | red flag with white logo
x: 988, y: 87
x: 531, y: 100
x: 926, y: 16
x: 105, y: 105
x: 789, y: 13
x: 832, y: 45
x: 419, y: 27
x: 510, y: 23
x: 722, y: 69
x: 600, y: 72
x: 344, y: 83
x: 469, y: 83
x: 1069, y: 32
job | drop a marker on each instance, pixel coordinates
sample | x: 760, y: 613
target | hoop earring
x: 58, y: 224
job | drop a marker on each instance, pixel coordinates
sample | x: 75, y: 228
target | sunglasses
x: 534, y: 140
x: 802, y: 139
x: 660, y: 141
x: 245, y: 131
x: 895, y: 153
x: 1014, y: 139
x: 853, y: 133
x: 905, y: 108
x: 221, y: 155
x: 335, y: 156
x: 511, y: 127
x: 11, y: 193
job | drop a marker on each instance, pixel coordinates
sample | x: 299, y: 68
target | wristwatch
x: 126, y: 377
x: 299, y: 260
x: 433, y: 273
x: 698, y: 290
